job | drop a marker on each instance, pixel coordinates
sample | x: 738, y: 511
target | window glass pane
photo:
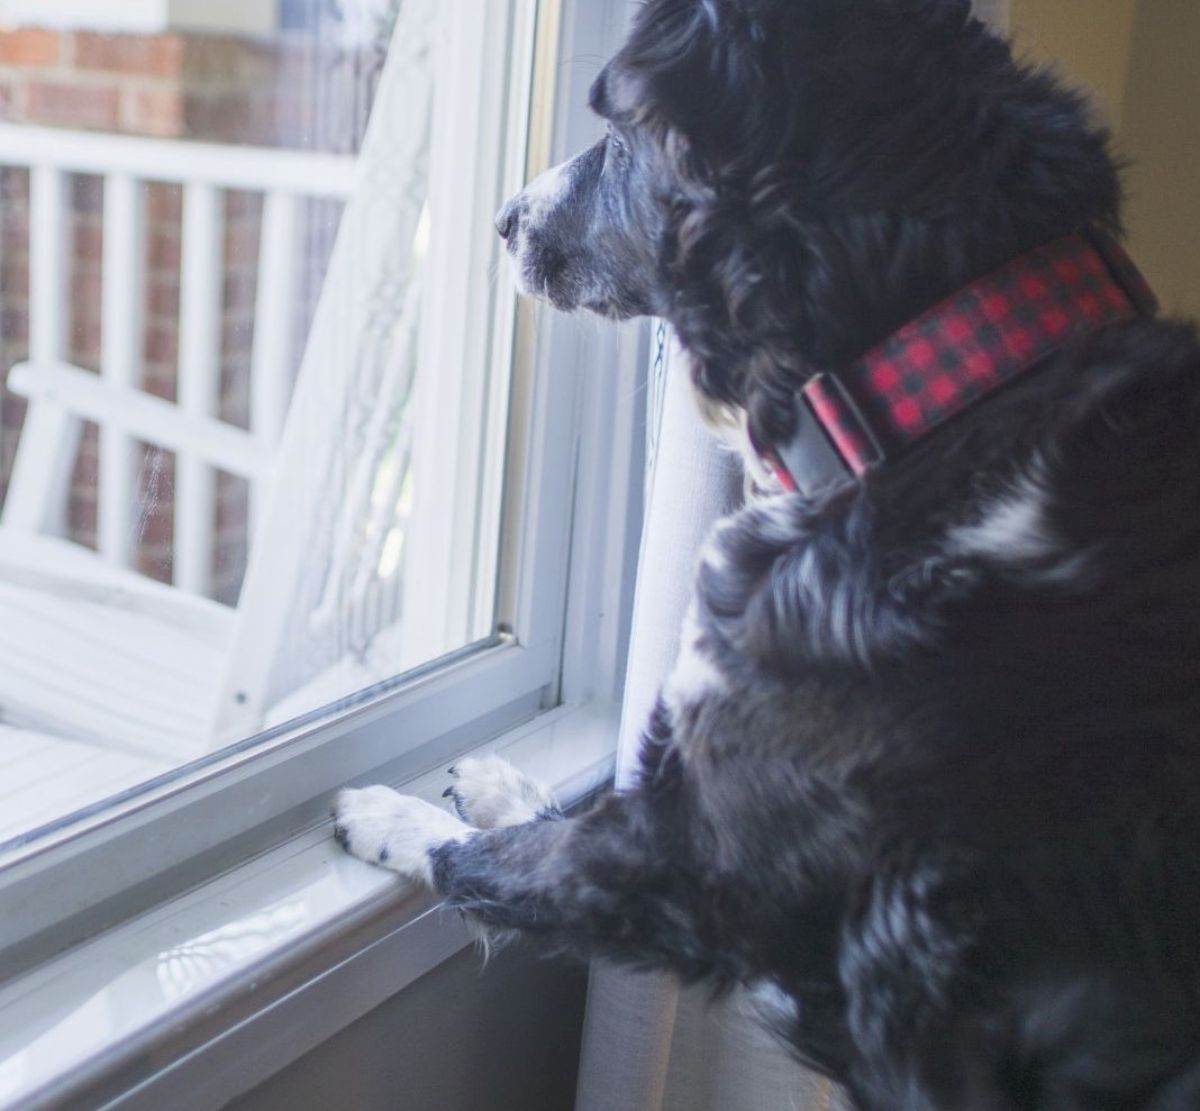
x: 255, y: 360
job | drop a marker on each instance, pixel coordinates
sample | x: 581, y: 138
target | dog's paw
x: 488, y: 792
x: 382, y: 826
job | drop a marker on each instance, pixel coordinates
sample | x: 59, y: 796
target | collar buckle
x: 833, y: 441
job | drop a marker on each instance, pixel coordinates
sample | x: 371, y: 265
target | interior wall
x: 465, y: 1037
x: 1161, y: 136
x: 1137, y: 58
x: 1089, y: 39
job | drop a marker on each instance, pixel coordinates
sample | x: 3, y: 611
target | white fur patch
x: 730, y: 425
x: 695, y: 675
x: 1016, y: 532
x: 490, y: 793
x: 1012, y: 529
x: 537, y: 200
x: 546, y: 191
x: 382, y: 826
x: 772, y: 1004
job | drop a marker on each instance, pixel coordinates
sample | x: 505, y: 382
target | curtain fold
x: 647, y: 1046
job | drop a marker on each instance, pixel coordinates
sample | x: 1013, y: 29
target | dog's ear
x: 692, y: 70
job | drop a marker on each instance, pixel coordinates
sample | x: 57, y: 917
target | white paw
x: 489, y: 793
x: 382, y: 826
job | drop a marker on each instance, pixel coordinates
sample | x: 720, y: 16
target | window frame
x: 572, y: 509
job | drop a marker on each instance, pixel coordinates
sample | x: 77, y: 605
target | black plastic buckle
x: 810, y: 456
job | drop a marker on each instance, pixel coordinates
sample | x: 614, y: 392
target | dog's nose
x: 507, y: 219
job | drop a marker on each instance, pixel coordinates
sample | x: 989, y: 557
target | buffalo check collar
x: 956, y: 354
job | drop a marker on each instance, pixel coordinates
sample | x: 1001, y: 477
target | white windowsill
x: 207, y: 995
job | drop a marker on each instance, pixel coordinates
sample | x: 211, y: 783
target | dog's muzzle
x: 508, y: 220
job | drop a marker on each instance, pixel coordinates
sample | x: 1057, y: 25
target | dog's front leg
x: 606, y: 883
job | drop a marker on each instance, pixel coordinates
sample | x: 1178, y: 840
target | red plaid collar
x: 955, y: 354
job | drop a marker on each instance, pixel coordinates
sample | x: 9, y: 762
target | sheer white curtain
x: 647, y: 1045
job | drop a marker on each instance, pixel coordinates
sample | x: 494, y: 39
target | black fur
x: 946, y: 793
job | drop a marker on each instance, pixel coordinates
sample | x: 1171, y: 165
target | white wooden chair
x: 92, y: 651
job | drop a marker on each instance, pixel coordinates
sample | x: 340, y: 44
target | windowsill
x: 259, y: 965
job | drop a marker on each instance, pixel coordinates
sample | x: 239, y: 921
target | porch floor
x: 43, y: 777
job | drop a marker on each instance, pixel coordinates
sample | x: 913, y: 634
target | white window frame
x: 572, y: 519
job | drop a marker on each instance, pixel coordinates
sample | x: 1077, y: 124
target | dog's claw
x: 447, y: 792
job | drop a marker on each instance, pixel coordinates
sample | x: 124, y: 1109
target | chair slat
x: 122, y: 317
x: 140, y: 415
x: 273, y: 319
x: 37, y: 495
x: 199, y: 381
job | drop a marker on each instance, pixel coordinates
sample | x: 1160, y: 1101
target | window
x: 294, y: 492
x: 252, y: 473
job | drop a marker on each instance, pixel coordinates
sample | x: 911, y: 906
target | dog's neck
x: 953, y: 356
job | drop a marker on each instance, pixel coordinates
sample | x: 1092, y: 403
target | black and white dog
x: 928, y: 771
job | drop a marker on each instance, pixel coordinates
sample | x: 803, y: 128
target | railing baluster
x: 199, y: 381
x: 47, y: 263
x: 37, y: 499
x: 274, y: 316
x: 120, y: 359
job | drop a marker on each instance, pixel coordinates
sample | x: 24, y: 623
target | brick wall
x: 294, y: 91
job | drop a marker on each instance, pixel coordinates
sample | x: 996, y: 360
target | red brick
x: 89, y: 241
x: 159, y: 379
x: 153, y: 110
x: 56, y: 103
x: 81, y: 515
x: 226, y: 60
x: 14, y: 278
x: 164, y: 203
x: 146, y: 55
x: 29, y: 47
x: 85, y: 342
x: 14, y: 237
x: 237, y: 337
x: 87, y: 195
x: 14, y: 323
x: 14, y: 186
x: 162, y: 344
x: 164, y: 251
x: 240, y: 291
x: 242, y: 241
x: 157, y: 528
x: 243, y: 207
x: 85, y: 293
x: 162, y: 299
x: 230, y: 117
x: 10, y: 103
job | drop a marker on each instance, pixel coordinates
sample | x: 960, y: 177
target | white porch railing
x: 378, y: 499
x: 205, y: 171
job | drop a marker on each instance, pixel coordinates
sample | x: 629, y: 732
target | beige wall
x: 1089, y: 39
x: 1162, y: 137
x: 1138, y: 59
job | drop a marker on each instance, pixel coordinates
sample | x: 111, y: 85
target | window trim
x: 573, y: 500
x: 231, y: 1031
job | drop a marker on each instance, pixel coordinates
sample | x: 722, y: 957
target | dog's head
x: 788, y: 180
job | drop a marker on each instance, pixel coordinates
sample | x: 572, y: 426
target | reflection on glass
x: 226, y: 406
x: 203, y: 960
